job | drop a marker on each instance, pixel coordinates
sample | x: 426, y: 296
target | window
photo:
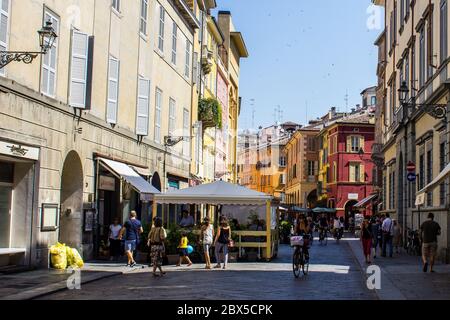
x: 50, y: 60
x: 294, y: 174
x: 311, y: 167
x: 144, y: 14
x: 4, y: 27
x: 143, y: 104
x: 430, y: 55
x: 393, y: 206
x: 113, y: 90
x: 116, y: 5
x: 406, y: 72
x: 78, y: 69
x: 174, y: 43
x: 402, y: 12
x: 444, y: 30
x: 356, y: 172
x: 186, y: 132
x: 335, y: 177
x: 187, y: 69
x: 421, y: 172
x: 172, y: 116
x: 158, y: 107
x: 442, y: 164
x: 422, y: 58
x: 354, y: 143
x: 162, y: 16
x: 282, y: 161
x: 429, y: 174
x: 373, y: 101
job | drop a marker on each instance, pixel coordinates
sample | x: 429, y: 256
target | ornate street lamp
x: 47, y: 37
x: 438, y: 111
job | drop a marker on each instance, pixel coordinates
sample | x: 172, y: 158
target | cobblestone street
x: 334, y: 274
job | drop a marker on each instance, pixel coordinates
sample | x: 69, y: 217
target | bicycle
x: 323, y: 236
x: 300, y: 259
x: 413, y: 244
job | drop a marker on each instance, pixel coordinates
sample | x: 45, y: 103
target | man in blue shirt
x: 132, y: 230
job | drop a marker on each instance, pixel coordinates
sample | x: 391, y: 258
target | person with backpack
x: 132, y: 230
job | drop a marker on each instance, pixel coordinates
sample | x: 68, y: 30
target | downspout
x: 32, y: 213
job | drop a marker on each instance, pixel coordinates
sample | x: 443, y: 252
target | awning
x: 142, y: 171
x: 125, y: 172
x: 323, y: 210
x: 365, y: 201
x: 440, y: 178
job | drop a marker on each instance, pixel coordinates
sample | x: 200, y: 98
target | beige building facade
x: 116, y: 85
x: 413, y: 51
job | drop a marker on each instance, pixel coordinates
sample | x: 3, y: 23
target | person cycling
x: 303, y: 229
x: 323, y: 224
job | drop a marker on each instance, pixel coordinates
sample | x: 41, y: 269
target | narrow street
x: 334, y: 274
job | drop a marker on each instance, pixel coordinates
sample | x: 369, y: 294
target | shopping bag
x: 58, y: 253
x: 77, y: 259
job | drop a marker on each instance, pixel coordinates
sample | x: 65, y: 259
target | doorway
x: 349, y: 211
x: 5, y: 215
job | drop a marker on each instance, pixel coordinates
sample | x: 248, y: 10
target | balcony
x: 207, y: 60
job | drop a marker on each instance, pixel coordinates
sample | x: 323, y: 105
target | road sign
x: 411, y: 167
x: 411, y: 177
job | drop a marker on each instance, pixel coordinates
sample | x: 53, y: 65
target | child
x: 183, y: 250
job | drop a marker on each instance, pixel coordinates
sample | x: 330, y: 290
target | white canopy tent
x: 226, y: 194
x: 217, y: 193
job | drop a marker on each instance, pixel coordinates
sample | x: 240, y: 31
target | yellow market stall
x: 233, y: 199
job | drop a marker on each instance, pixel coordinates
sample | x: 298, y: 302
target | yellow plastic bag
x: 70, y: 257
x: 77, y: 259
x: 58, y: 256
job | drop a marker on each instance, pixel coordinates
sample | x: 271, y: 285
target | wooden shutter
x: 362, y: 173
x: 352, y: 173
x: 349, y: 144
x: 143, y: 107
x: 78, y: 69
x: 113, y: 90
x: 361, y: 143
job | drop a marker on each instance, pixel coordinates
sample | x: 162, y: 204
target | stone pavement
x: 32, y: 284
x: 334, y: 274
x: 402, y: 277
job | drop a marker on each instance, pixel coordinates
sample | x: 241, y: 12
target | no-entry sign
x: 411, y: 167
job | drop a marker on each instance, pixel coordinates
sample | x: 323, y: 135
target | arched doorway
x: 71, y: 201
x: 156, y: 181
x: 349, y: 211
x: 312, y: 199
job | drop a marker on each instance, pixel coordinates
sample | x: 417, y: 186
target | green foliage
x: 174, y: 234
x: 210, y: 113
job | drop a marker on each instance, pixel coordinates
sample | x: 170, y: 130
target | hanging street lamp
x: 47, y: 37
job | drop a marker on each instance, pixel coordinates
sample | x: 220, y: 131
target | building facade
x: 302, y: 155
x: 415, y: 52
x: 345, y: 176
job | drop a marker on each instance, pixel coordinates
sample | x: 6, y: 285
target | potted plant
x: 172, y: 241
x: 285, y: 231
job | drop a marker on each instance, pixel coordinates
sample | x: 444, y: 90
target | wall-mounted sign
x: 19, y: 150
x: 107, y: 183
x: 420, y: 199
x: 88, y: 223
x: 353, y: 196
x: 49, y: 217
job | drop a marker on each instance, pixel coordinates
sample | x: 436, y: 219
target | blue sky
x: 303, y: 53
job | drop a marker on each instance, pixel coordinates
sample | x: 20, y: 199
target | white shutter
x: 186, y: 133
x: 352, y: 177
x: 158, y: 106
x: 142, y: 113
x: 172, y: 115
x: 78, y: 71
x: 113, y: 90
x: 195, y: 69
x: 49, y: 65
x: 4, y: 25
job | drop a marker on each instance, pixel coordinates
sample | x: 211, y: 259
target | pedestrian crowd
x: 383, y: 235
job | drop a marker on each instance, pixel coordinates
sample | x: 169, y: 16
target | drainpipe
x: 32, y: 214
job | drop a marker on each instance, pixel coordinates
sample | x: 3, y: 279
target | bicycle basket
x: 297, y: 241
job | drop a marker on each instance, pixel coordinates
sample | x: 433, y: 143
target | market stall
x: 236, y: 203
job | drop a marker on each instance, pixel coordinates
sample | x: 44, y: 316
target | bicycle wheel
x: 305, y: 264
x: 296, y: 263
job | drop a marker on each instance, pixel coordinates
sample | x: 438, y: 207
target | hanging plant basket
x: 210, y: 113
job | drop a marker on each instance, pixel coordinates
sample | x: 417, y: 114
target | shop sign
x: 18, y: 150
x: 353, y: 196
x: 107, y: 183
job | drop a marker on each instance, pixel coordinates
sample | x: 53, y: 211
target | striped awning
x: 365, y: 201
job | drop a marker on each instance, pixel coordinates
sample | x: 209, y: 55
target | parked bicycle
x: 413, y: 246
x: 300, y: 257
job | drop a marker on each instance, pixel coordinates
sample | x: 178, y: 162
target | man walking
x: 429, y: 232
x: 388, y: 232
x: 132, y: 229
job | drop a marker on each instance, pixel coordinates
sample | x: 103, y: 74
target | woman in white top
x: 207, y: 240
x: 114, y: 241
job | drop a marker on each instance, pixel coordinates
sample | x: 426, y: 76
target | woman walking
x: 114, y: 241
x: 207, y: 240
x: 156, y: 238
x: 366, y: 238
x: 221, y: 243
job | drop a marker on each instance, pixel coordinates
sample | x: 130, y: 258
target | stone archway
x: 312, y: 199
x: 349, y: 209
x: 71, y: 222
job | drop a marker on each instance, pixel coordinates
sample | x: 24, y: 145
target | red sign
x: 411, y: 167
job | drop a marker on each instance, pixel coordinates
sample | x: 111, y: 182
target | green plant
x: 210, y: 113
x: 174, y: 234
